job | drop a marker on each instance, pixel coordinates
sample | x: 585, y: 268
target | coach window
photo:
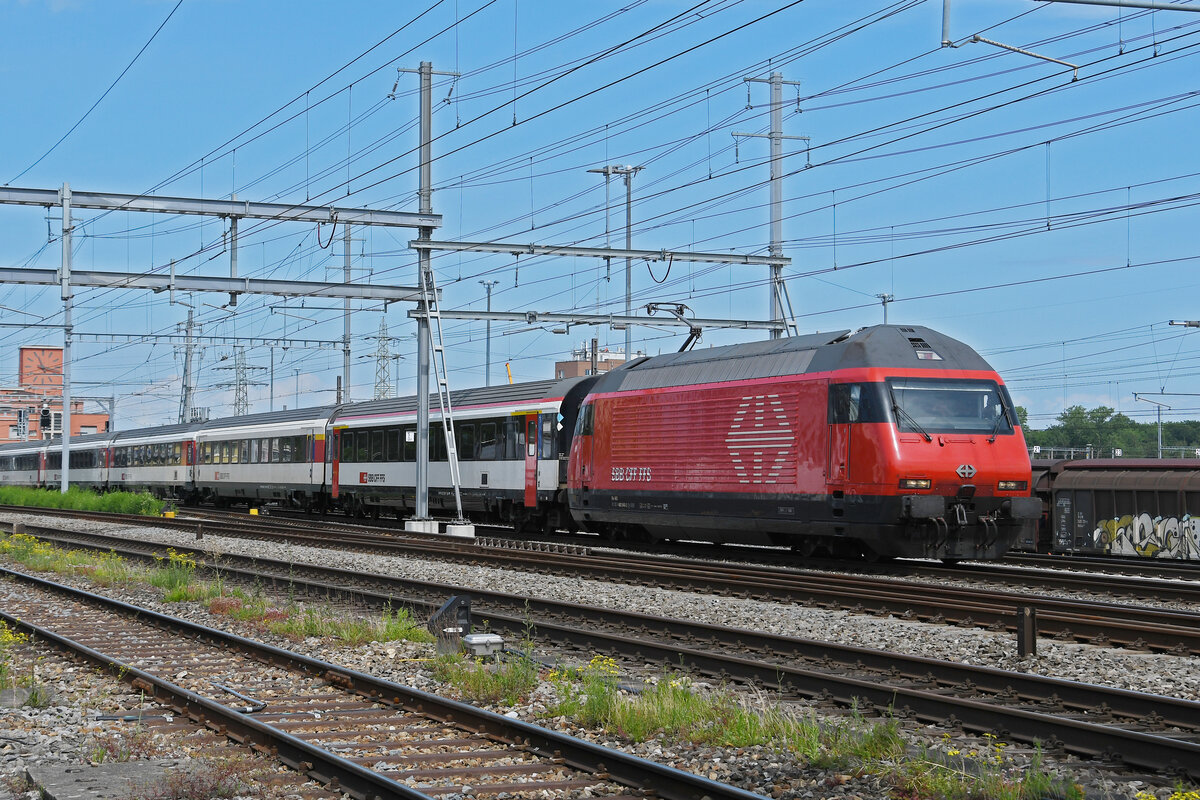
x: 547, y: 436
x: 437, y: 443
x: 235, y: 452
x: 487, y: 441
x: 464, y: 440
x: 245, y: 451
x: 376, y: 445
x: 254, y: 451
x: 347, y: 446
x: 273, y: 450
x: 362, y: 446
x: 393, y: 444
x: 514, y: 440
x: 286, y: 450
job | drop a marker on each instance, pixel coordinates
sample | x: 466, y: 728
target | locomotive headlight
x: 915, y: 483
x: 1012, y: 486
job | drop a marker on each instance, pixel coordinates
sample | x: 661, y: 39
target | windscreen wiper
x: 898, y: 409
x: 996, y: 426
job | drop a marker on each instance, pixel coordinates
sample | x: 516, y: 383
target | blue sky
x: 1048, y: 222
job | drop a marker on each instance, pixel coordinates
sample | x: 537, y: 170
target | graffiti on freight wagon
x: 1150, y: 537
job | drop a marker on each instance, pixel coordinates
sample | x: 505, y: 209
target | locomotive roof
x: 483, y: 395
x: 876, y: 346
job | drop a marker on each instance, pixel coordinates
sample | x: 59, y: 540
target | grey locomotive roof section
x: 878, y: 346
x: 270, y: 417
x: 893, y: 346
x: 765, y: 359
x: 483, y: 395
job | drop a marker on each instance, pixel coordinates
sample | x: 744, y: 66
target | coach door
x: 531, y: 459
x: 335, y: 458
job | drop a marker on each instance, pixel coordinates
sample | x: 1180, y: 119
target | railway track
x: 347, y: 730
x: 1148, y: 731
x: 1110, y: 624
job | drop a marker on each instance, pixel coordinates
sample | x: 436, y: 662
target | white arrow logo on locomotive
x: 760, y: 439
x: 965, y: 471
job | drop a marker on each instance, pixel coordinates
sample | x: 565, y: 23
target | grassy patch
x: 674, y: 709
x: 122, y: 745
x: 237, y: 776
x: 984, y: 772
x: 82, y: 500
x: 173, y: 574
x: 488, y: 680
x: 391, y: 625
x: 9, y: 639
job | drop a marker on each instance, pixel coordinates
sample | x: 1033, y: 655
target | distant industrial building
x: 33, y: 409
x: 593, y: 360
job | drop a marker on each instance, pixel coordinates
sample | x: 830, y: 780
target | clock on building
x: 41, y: 366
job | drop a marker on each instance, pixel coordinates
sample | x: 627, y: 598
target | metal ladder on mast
x: 437, y: 344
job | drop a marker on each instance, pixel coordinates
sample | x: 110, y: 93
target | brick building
x: 39, y: 386
x: 607, y: 358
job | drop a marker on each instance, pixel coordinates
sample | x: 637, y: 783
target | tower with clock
x: 41, y: 369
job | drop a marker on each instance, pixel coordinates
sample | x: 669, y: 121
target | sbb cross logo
x: 362, y: 477
x: 966, y: 471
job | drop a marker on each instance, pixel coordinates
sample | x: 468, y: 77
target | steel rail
x: 667, y: 782
x: 1101, y: 623
x: 679, y: 643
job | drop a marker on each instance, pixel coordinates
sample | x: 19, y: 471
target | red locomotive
x: 889, y: 442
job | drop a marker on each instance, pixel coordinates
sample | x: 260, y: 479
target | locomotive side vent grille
x: 918, y: 343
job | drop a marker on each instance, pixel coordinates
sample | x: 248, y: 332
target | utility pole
x: 346, y: 320
x: 186, y: 390
x: 777, y: 289
x: 241, y: 394
x: 1161, y: 406
x: 628, y: 172
x: 886, y: 299
x: 382, y: 365
x: 487, y: 352
x: 424, y: 262
x: 241, y: 382
x: 65, y: 279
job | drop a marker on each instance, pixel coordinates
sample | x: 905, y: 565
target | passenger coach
x: 512, y: 444
x: 278, y: 456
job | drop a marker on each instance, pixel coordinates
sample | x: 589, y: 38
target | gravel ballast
x: 758, y: 769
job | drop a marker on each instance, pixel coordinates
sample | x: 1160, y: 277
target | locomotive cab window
x: 856, y: 402
x: 951, y: 406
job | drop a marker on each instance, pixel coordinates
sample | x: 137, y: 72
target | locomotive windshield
x: 948, y: 406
